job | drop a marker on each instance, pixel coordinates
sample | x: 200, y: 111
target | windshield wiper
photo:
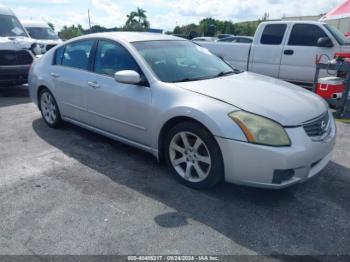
x: 187, y: 79
x: 225, y: 73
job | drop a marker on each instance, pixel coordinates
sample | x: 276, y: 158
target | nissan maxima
x: 186, y: 106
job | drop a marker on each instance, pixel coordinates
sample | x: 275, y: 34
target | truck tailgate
x: 236, y: 54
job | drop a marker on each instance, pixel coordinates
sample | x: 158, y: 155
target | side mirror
x: 324, y: 42
x: 127, y: 77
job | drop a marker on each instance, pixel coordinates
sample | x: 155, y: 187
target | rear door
x: 267, y: 50
x: 299, y: 54
x: 70, y: 75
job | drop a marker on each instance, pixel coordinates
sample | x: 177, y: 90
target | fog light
x: 279, y: 176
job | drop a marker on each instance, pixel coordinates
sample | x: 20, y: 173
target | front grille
x: 317, y: 127
x: 15, y: 57
x: 24, y: 57
x: 8, y: 57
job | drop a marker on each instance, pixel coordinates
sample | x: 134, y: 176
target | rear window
x: 273, y: 34
x: 305, y: 35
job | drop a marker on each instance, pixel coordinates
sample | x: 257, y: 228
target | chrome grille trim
x: 317, y: 129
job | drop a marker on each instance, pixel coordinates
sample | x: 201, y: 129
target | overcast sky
x: 164, y: 14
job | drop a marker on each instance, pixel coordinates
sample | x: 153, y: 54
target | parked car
x: 285, y: 50
x: 221, y: 36
x: 237, y: 39
x: 45, y: 36
x: 17, y: 50
x: 179, y: 102
x: 205, y: 39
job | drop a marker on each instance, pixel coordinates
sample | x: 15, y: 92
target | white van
x: 40, y: 31
x: 17, y: 50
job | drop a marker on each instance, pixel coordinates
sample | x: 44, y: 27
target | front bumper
x: 255, y: 165
x: 14, y: 75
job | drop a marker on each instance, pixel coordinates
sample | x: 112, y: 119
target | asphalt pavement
x: 70, y: 191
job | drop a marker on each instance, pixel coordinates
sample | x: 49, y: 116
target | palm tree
x: 137, y: 21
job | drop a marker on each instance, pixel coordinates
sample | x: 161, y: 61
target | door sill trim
x: 112, y: 136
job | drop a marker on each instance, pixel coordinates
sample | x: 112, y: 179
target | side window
x: 305, y: 35
x: 111, y: 57
x: 77, y: 54
x: 244, y: 40
x: 228, y: 39
x: 273, y: 34
x: 59, y: 56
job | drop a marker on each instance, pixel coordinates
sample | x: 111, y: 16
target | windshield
x: 11, y: 27
x: 182, y: 61
x: 341, y: 39
x: 42, y: 33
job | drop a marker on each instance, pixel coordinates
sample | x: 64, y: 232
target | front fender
x: 211, y: 113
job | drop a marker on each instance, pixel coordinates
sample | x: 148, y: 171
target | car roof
x: 5, y: 10
x: 293, y: 22
x: 240, y: 36
x: 133, y: 36
x: 31, y: 23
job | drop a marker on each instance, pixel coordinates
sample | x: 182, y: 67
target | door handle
x: 94, y: 84
x: 288, y: 52
x: 55, y: 75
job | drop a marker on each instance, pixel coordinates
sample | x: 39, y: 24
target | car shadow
x: 311, y: 218
x: 15, y: 95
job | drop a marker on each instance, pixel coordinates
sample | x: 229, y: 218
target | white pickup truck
x: 284, y: 49
x: 17, y: 50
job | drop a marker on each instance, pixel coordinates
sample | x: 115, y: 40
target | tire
x: 49, y: 109
x: 197, y: 162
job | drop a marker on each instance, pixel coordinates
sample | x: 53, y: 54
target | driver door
x: 299, y: 54
x: 120, y: 109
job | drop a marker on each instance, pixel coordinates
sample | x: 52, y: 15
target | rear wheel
x: 194, y: 156
x: 49, y: 109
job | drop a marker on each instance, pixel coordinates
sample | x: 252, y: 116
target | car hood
x: 283, y: 102
x: 15, y: 43
x: 48, y: 41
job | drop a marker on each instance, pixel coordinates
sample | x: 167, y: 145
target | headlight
x: 36, y: 49
x: 260, y: 130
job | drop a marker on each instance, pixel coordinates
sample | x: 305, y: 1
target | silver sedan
x: 177, y: 101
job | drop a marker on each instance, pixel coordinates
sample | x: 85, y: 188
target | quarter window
x: 59, y: 56
x: 273, y: 34
x: 112, y: 57
x: 305, y: 35
x: 77, y: 54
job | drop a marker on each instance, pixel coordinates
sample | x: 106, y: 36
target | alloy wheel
x: 190, y: 157
x: 48, y: 108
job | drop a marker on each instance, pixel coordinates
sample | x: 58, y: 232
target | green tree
x: 51, y: 25
x: 98, y: 29
x: 71, y: 32
x: 137, y: 21
x: 212, y: 27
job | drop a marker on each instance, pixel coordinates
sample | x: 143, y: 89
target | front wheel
x: 49, y: 109
x: 194, y: 156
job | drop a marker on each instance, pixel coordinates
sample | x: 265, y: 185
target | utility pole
x: 89, y: 20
